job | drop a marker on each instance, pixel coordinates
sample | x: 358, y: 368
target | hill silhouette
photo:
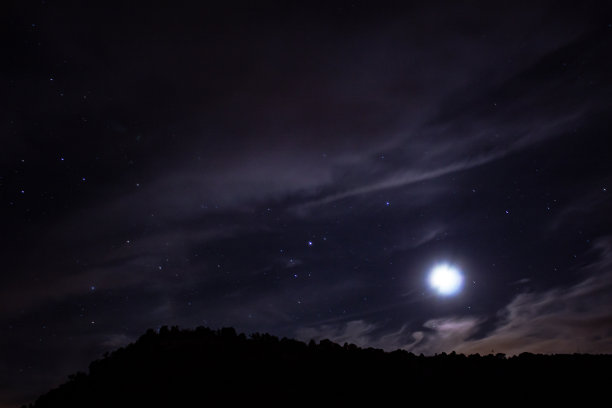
x: 204, y: 367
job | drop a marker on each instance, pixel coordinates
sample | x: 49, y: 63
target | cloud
x: 116, y: 340
x: 561, y: 320
x: 137, y: 264
x: 457, y: 132
x: 357, y: 332
x: 583, y: 204
x: 494, y: 140
x: 574, y: 319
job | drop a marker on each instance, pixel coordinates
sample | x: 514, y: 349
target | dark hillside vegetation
x: 204, y: 367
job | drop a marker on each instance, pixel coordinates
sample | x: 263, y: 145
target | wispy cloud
x: 134, y: 264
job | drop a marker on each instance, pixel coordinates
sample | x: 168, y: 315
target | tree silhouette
x: 204, y: 367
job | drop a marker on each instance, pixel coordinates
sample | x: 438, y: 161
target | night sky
x: 299, y: 170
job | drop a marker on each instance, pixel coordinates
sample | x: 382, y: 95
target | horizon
x: 168, y: 367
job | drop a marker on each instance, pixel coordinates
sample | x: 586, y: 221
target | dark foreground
x: 202, y: 367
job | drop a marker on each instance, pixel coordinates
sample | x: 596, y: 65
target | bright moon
x: 445, y: 279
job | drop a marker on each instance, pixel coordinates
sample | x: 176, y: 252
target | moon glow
x: 445, y: 279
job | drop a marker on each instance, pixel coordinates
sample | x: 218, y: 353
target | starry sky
x: 299, y: 170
